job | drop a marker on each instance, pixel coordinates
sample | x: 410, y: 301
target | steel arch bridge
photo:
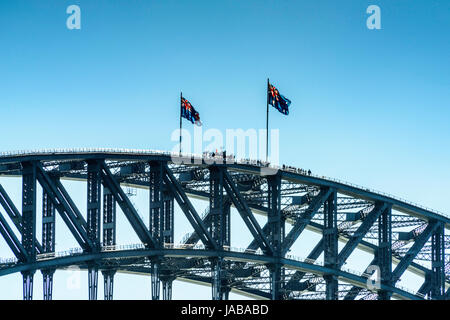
x: 398, y: 234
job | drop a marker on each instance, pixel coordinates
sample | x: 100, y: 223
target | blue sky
x: 368, y: 106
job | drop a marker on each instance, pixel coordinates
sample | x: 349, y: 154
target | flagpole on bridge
x: 267, y: 122
x: 181, y: 103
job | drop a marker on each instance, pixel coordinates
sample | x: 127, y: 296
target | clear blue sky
x: 368, y: 106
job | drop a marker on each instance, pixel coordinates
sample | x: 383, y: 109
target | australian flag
x: 277, y: 100
x: 188, y: 112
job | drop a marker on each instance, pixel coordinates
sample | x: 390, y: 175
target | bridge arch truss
x: 401, y: 236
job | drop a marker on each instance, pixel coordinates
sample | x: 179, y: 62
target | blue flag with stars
x: 277, y: 100
x: 188, y: 112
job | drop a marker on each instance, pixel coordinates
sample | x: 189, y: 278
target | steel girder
x: 219, y: 227
x: 119, y: 257
x: 109, y: 218
x: 305, y: 219
x: 368, y: 220
x: 294, y: 282
x: 271, y: 195
x: 109, y: 239
x: 219, y: 224
x: 47, y: 276
x: 254, y: 244
x: 246, y: 214
x: 110, y: 182
x: 12, y: 241
x: 330, y: 244
x: 383, y: 257
x: 48, y: 241
x: 188, y: 209
x: 14, y: 214
x: 29, y: 223
x: 156, y: 223
x: 29, y: 209
x: 161, y: 227
x: 412, y: 252
x: 384, y: 251
x: 66, y: 207
x: 358, y: 235
x: 275, y: 234
x: 437, y: 290
x: 108, y: 283
x: 94, y: 185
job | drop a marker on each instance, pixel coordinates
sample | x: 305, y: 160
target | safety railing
x: 182, y: 246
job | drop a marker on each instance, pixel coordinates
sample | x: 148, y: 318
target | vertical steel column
x: 216, y: 205
x: 156, y: 200
x: 155, y: 278
x: 330, y: 242
x: 226, y: 293
x: 94, y: 183
x: 47, y: 276
x: 166, y: 283
x: 109, y: 218
x: 227, y: 242
x: 275, y: 236
x: 48, y: 241
x: 168, y: 237
x: 108, y: 283
x: 437, y: 291
x: 218, y: 229
x: 219, y: 281
x: 168, y: 216
x: 227, y: 222
x: 93, y: 282
x: 216, y: 279
x: 27, y: 285
x: 384, y: 251
x: 156, y: 221
x: 29, y: 223
x: 109, y: 238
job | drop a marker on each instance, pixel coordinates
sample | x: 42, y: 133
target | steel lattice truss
x: 400, y: 236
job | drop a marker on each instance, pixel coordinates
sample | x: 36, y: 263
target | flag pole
x: 181, y: 102
x: 267, y: 122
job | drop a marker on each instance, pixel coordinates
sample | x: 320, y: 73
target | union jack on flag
x: 277, y: 100
x: 189, y: 112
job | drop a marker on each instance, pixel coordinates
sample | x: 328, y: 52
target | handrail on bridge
x: 182, y: 246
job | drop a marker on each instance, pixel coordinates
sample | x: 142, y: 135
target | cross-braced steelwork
x: 399, y: 236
